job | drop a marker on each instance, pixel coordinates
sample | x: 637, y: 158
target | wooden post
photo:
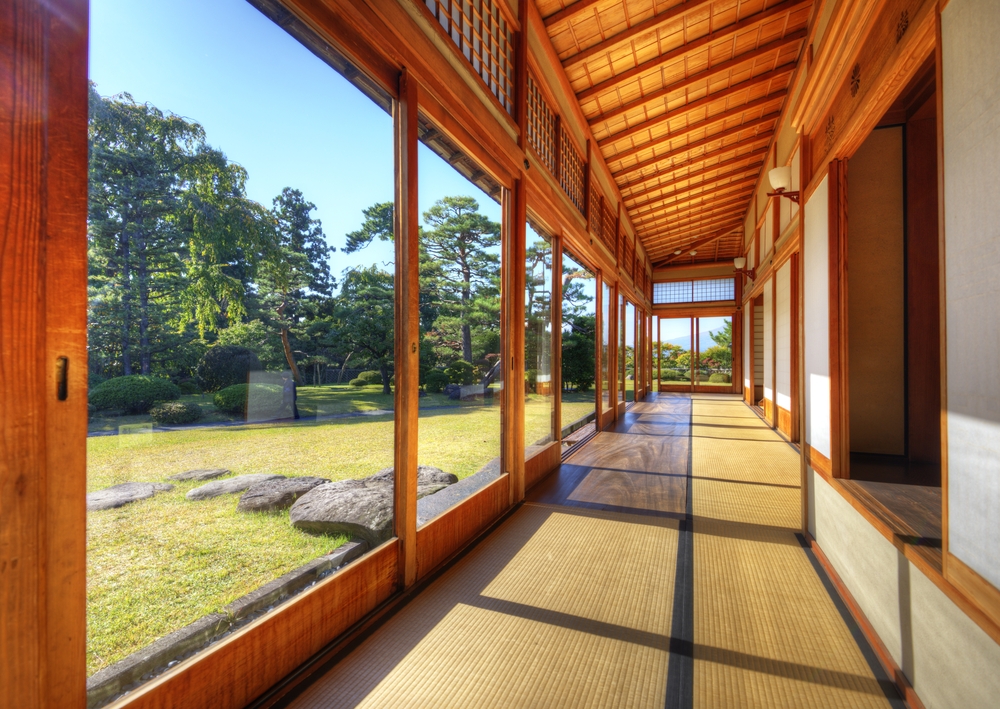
x: 557, y: 255
x: 43, y: 356
x: 512, y: 336
x: 840, y: 445
x: 599, y: 319
x: 407, y: 220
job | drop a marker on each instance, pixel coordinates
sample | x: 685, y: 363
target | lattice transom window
x: 485, y: 39
x: 541, y: 127
x: 704, y: 291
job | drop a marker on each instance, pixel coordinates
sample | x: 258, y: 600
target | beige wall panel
x: 768, y: 339
x: 816, y: 318
x: 875, y: 316
x: 747, y: 346
x: 971, y: 65
x: 948, y: 659
x: 783, y: 337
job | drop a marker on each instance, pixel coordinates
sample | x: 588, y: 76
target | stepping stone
x: 274, y: 495
x: 359, y: 508
x: 229, y: 486
x: 200, y: 474
x: 123, y: 494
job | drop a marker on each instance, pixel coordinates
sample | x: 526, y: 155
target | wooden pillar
x: 598, y: 339
x: 840, y: 445
x: 407, y: 346
x: 43, y: 356
x: 512, y: 335
x: 557, y: 252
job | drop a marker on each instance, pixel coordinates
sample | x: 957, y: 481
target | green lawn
x: 158, y: 564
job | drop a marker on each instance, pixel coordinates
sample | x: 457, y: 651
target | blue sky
x: 268, y: 103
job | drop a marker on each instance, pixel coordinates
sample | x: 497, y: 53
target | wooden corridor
x: 661, y: 566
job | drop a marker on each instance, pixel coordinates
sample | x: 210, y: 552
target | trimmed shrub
x: 461, y: 372
x: 371, y: 377
x: 672, y: 375
x: 188, y: 386
x: 233, y: 399
x: 225, y: 365
x: 175, y: 412
x: 359, y: 382
x: 436, y: 381
x: 720, y: 378
x: 134, y: 394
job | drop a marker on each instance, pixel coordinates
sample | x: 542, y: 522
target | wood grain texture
x: 43, y: 274
x: 541, y: 464
x: 236, y: 670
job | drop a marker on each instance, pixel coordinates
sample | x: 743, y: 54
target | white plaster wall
x: 816, y: 317
x: 747, y: 347
x: 783, y: 336
x: 971, y: 64
x: 768, y: 343
x: 949, y: 660
x: 767, y: 233
x: 789, y: 208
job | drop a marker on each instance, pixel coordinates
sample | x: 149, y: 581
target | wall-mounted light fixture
x: 740, y: 263
x: 781, y: 179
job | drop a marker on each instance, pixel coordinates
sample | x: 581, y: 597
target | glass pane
x: 621, y: 348
x: 675, y: 351
x: 630, y: 352
x: 241, y: 355
x: 579, y: 322
x: 460, y: 366
x: 539, y: 397
x: 715, y: 352
x: 606, y: 383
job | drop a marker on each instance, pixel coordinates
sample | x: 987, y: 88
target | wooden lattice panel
x: 609, y: 217
x: 486, y: 40
x: 596, y: 224
x: 571, y: 167
x: 541, y: 129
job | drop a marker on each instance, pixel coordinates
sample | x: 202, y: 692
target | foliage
x: 233, y: 399
x: 175, y: 412
x: 371, y: 377
x: 378, y: 224
x: 225, y: 365
x: 675, y: 375
x: 358, y: 382
x: 364, y: 318
x: 717, y: 356
x: 255, y: 336
x: 720, y: 378
x: 578, y: 353
x: 461, y: 372
x: 436, y: 381
x: 133, y: 394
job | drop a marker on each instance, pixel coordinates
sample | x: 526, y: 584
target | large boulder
x: 274, y: 495
x: 123, y: 494
x: 200, y: 474
x: 360, y: 508
x: 229, y: 486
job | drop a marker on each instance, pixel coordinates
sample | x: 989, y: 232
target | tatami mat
x: 660, y: 566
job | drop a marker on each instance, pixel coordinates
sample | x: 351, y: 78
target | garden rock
x: 200, y: 474
x: 274, y: 495
x: 360, y: 508
x: 224, y: 487
x: 123, y: 494
x: 450, y: 389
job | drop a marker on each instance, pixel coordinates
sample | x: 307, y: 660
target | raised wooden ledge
x: 965, y: 601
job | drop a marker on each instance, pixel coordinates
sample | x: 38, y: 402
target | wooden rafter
x: 702, y: 159
x: 770, y: 118
x: 570, y: 11
x: 708, y: 225
x: 698, y: 222
x: 737, y: 112
x: 695, y: 245
x: 718, y: 184
x: 649, y: 25
x: 660, y: 199
x: 685, y: 49
x: 736, y: 200
x: 749, y: 159
x: 722, y: 191
x: 724, y: 94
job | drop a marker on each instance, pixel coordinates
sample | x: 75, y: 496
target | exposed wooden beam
x: 722, y: 135
x: 699, y: 243
x: 687, y: 108
x: 568, y: 12
x: 695, y: 222
x: 649, y: 25
x: 755, y: 159
x: 684, y: 84
x: 702, y: 188
x: 685, y: 49
x: 736, y: 112
x: 695, y: 231
x: 736, y: 200
x: 705, y: 157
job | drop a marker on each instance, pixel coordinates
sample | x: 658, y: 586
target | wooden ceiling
x: 683, y: 98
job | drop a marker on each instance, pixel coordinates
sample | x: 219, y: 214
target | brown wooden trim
x: 942, y: 284
x: 903, y: 685
x: 538, y: 466
x: 721, y: 183
x: 512, y: 338
x: 984, y: 594
x: 446, y: 535
x: 773, y: 280
x: 794, y: 432
x: 689, y: 311
x: 407, y: 344
x: 43, y: 305
x: 839, y: 417
x: 689, y: 209
x: 751, y: 158
x: 557, y: 260
x: 230, y: 673
x: 817, y: 461
x: 703, y: 158
x: 917, y: 558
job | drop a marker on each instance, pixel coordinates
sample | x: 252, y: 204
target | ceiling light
x: 678, y: 252
x: 694, y: 253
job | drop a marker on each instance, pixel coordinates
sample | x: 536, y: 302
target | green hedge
x: 461, y: 372
x: 225, y: 365
x: 359, y: 382
x: 436, y: 381
x: 134, y: 394
x: 175, y: 412
x: 371, y: 377
x: 233, y: 400
x: 720, y: 378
